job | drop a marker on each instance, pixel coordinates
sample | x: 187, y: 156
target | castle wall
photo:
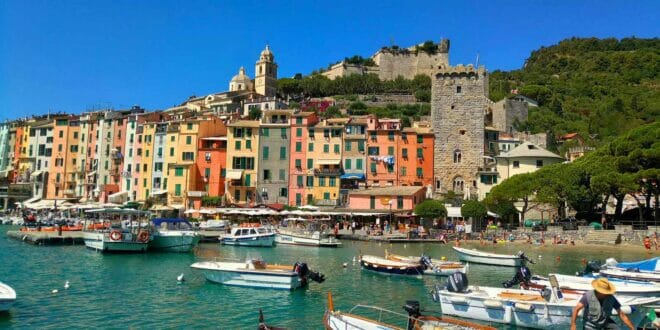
x: 408, y: 65
x: 506, y: 112
x: 342, y: 69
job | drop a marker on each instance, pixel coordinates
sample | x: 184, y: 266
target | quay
x: 47, y: 237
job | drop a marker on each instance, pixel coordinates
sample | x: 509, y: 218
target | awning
x: 161, y: 208
x: 234, y: 174
x: 493, y: 214
x: 329, y: 161
x: 36, y: 173
x: 91, y: 173
x: 358, y: 176
x: 119, y: 197
x: 177, y: 206
x: 158, y: 192
x: 32, y: 200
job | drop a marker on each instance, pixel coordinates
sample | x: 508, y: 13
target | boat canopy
x: 649, y: 265
x: 158, y: 221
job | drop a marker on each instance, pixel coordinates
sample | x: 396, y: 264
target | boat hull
x: 261, y: 241
x: 303, y: 240
x: 583, y: 284
x: 487, y: 259
x: 174, y: 241
x: 7, y: 297
x: 391, y: 268
x: 249, y: 278
x: 628, y: 275
x: 102, y: 242
x: 348, y: 322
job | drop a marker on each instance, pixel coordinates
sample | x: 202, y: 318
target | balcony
x: 328, y: 171
x: 69, y: 192
x: 197, y: 194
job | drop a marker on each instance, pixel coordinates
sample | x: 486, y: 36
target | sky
x: 73, y: 56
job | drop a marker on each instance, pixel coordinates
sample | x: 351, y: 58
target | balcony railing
x: 328, y: 171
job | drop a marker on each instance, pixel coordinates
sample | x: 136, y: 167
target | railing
x: 328, y: 171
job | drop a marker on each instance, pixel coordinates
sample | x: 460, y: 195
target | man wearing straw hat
x: 598, y: 305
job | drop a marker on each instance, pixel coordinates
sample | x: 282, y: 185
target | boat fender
x: 143, y: 236
x: 524, y: 307
x: 493, y: 303
x: 115, y: 235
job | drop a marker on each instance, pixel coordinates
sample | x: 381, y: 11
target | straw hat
x: 602, y: 285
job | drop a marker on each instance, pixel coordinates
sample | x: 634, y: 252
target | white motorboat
x: 117, y: 238
x: 615, y: 273
x: 480, y: 257
x: 645, y: 270
x: 351, y: 320
x: 300, y: 231
x: 524, y: 308
x: 219, y: 225
x: 257, y: 274
x: 7, y: 297
x: 253, y: 235
x: 581, y: 284
x: 173, y: 235
x: 438, y: 268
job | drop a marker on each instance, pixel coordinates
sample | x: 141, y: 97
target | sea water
x: 141, y: 291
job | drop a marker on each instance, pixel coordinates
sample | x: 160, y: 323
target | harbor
x: 145, y: 284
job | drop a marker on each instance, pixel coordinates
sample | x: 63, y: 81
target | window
x: 282, y: 152
x: 299, y: 180
x: 358, y: 164
x: 310, y: 163
x: 283, y: 192
x: 146, y: 152
x: 248, y: 179
x: 61, y: 134
x: 178, y: 171
x: 299, y: 131
x: 188, y: 156
x: 248, y: 144
x: 177, y: 189
x: 310, y: 146
x: 298, y: 199
x: 458, y: 184
x: 265, y: 152
x: 299, y: 121
x: 237, y: 195
x: 404, y: 152
x: 404, y: 171
x: 374, y: 151
x: 189, y: 138
x: 223, y: 172
x: 144, y: 183
x: 390, y: 151
x: 390, y: 168
x: 74, y: 148
x: 283, y: 132
x: 172, y: 138
x: 404, y: 136
x: 399, y: 202
x: 458, y: 89
x: 420, y: 153
x: 347, y: 164
x: 237, y: 145
x: 267, y: 175
x: 321, y: 181
x: 420, y: 172
x: 336, y: 148
x: 310, y: 181
x: 248, y: 132
x: 361, y: 146
x: 238, y: 132
x: 144, y: 167
x: 160, y: 152
x: 333, y: 182
x: 310, y: 131
x: 457, y: 156
x: 539, y: 163
x: 516, y: 164
x: 207, y: 172
x: 282, y: 176
x: 158, y: 167
x: 390, y: 135
x: 326, y: 195
x: 298, y: 146
x: 373, y: 168
x: 326, y: 148
x: 372, y: 202
x: 190, y: 126
x: 265, y: 131
x: 298, y: 163
x: 347, y: 146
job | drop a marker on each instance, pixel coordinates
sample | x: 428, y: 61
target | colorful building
x: 325, y: 160
x: 384, y: 137
x: 354, y: 157
x: 274, y: 145
x: 394, y: 199
x: 242, y: 163
x: 212, y: 165
x: 301, y: 171
x: 415, y: 156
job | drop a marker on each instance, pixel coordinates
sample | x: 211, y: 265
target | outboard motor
x: 426, y: 261
x: 305, y: 273
x: 522, y: 277
x: 412, y: 307
x: 592, y: 266
x: 457, y: 282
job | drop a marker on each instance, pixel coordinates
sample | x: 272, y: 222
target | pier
x: 48, y: 237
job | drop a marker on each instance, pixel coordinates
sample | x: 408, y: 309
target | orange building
x: 383, y: 141
x: 211, y: 165
x: 64, y: 158
x: 415, y: 156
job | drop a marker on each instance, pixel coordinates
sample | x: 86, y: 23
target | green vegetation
x: 431, y: 209
x: 475, y: 210
x: 319, y: 86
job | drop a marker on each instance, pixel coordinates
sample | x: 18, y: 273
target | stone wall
x: 506, y: 112
x: 458, y: 124
x: 408, y: 65
x: 343, y: 69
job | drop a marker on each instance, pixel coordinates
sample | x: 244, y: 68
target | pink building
x: 403, y: 198
x: 300, y: 192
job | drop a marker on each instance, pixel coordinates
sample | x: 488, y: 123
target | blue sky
x: 76, y: 55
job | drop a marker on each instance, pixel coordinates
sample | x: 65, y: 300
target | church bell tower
x: 265, y: 74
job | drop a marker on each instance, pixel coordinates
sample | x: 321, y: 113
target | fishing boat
x: 300, y: 231
x: 579, y: 284
x: 391, y: 267
x: 249, y: 234
x: 486, y: 258
x: 257, y: 274
x: 645, y: 270
x: 438, y: 268
x: 7, y: 297
x: 351, y: 320
x: 523, y: 308
x: 118, y: 238
x: 173, y: 235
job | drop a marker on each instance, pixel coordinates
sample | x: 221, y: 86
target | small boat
x: 173, y: 235
x: 391, y: 267
x: 523, y: 308
x: 257, y: 274
x: 118, y: 238
x: 300, y: 231
x: 219, y: 225
x: 645, y: 270
x: 579, y: 284
x: 253, y: 235
x: 336, y: 320
x: 486, y: 258
x: 438, y: 268
x: 7, y: 297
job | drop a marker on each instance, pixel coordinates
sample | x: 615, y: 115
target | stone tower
x: 265, y: 74
x: 458, y: 105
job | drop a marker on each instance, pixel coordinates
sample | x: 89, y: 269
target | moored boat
x: 581, y: 284
x: 252, y: 235
x: 337, y: 320
x: 257, y: 274
x: 480, y: 257
x: 118, y: 238
x: 438, y: 268
x: 645, y: 270
x: 173, y: 235
x: 305, y: 232
x: 7, y: 297
x: 391, y: 267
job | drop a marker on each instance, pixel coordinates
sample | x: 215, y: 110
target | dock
x: 48, y: 237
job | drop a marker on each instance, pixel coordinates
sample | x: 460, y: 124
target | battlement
x: 461, y: 70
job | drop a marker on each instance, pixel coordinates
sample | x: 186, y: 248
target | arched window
x: 261, y: 69
x: 457, y: 156
x: 458, y: 184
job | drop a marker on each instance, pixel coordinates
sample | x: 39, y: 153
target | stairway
x: 608, y: 237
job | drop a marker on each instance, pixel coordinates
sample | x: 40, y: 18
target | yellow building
x: 143, y: 162
x: 242, y: 158
x: 324, y: 157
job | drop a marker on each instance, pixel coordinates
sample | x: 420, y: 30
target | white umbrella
x: 189, y: 211
x: 309, y: 207
x: 207, y: 211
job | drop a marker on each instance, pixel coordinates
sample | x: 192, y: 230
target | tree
x: 431, y: 209
x: 520, y: 188
x: 254, y: 114
x: 332, y: 112
x: 474, y: 210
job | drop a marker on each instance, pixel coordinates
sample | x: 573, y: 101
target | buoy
x: 404, y: 246
x: 66, y: 285
x: 345, y: 264
x: 180, y: 278
x: 443, y: 258
x: 54, y: 291
x: 540, y: 256
x: 558, y: 258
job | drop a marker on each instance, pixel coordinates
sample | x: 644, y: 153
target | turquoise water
x: 141, y: 292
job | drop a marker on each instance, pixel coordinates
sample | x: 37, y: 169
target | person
x: 647, y: 243
x: 598, y: 305
x: 655, y: 240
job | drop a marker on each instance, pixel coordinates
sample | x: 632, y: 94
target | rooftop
x: 244, y: 123
x: 528, y: 149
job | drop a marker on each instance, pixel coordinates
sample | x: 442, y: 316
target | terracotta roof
x: 244, y: 123
x: 418, y: 130
x: 389, y: 191
x: 528, y: 149
x: 569, y: 136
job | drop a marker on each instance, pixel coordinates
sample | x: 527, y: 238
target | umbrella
x: 309, y: 207
x: 189, y: 211
x: 207, y: 211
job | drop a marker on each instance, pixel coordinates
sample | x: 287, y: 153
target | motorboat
x: 257, y: 274
x: 645, y: 270
x: 391, y: 267
x: 523, y: 308
x: 117, y: 237
x: 351, y: 320
x: 300, y: 231
x: 219, y: 225
x: 580, y: 284
x: 248, y: 234
x: 7, y: 297
x: 173, y: 235
x: 433, y: 267
x: 480, y: 257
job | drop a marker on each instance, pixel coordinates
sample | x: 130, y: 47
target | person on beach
x: 647, y: 244
x: 655, y: 240
x: 598, y: 305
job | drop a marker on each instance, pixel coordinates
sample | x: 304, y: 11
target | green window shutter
x: 372, y: 202
x: 282, y: 175
x: 165, y: 184
x: 326, y: 195
x: 420, y: 139
x: 298, y: 146
x: 333, y: 181
x: 178, y: 171
x: 299, y: 180
x: 347, y: 145
x: 248, y: 178
x: 237, y: 145
x: 265, y: 131
x: 223, y: 172
x: 361, y: 146
x: 326, y: 148
x: 404, y: 152
x: 399, y: 202
x: 420, y: 172
x: 321, y: 181
x: 188, y: 139
x: 310, y: 181
x: 358, y: 164
x: 171, y: 152
x: 265, y: 152
x: 282, y: 152
x: 207, y: 172
x: 310, y: 163
x: 390, y: 135
x: 144, y: 182
x: 299, y: 121
x: 336, y: 148
x: 298, y: 199
x: 373, y: 167
x: 390, y: 168
x: 248, y: 144
x: 390, y: 151
x: 310, y: 146
x: 298, y: 163
x: 283, y: 132
x: 299, y: 131
x: 177, y: 189
x: 420, y: 153
x: 404, y: 171
x: 347, y: 164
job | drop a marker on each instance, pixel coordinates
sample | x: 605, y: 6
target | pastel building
x: 325, y: 159
x: 64, y: 159
x: 395, y: 199
x: 242, y: 161
x: 415, y: 156
x: 274, y: 149
x: 211, y: 165
x: 301, y: 167
x: 354, y: 157
x: 40, y: 150
x: 382, y: 144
